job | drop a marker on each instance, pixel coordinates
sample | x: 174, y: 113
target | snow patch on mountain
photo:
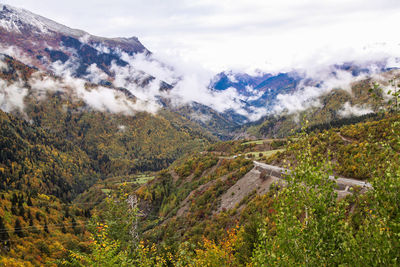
x: 17, y: 19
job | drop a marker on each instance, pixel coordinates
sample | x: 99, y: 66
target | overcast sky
x: 246, y: 34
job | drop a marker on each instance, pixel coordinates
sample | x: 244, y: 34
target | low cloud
x: 16, y: 53
x: 95, y: 75
x: 3, y: 65
x: 357, y: 110
x: 316, y: 83
x: 108, y: 100
x: 98, y: 98
x: 200, y: 117
x: 144, y: 75
x: 65, y: 69
x: 12, y: 96
x: 151, y: 66
x: 191, y: 83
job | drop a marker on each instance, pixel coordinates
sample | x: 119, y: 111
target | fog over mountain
x: 78, y: 58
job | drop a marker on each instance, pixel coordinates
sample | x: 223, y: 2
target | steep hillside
x: 336, y: 107
x: 218, y: 208
x: 40, y: 173
x: 38, y: 229
x: 37, y: 161
x: 103, y: 123
x: 215, y: 204
x: 355, y: 150
x: 212, y: 200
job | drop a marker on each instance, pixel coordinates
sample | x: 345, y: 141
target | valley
x: 111, y: 156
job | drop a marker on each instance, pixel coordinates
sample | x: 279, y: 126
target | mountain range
x: 125, y: 65
x: 130, y: 112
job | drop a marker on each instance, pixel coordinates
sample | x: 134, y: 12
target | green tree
x: 4, y: 236
x: 308, y: 222
x: 105, y: 252
x: 113, y: 234
x: 18, y: 228
x: 377, y: 235
x: 395, y: 94
x: 312, y: 228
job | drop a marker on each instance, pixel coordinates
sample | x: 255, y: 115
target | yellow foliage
x: 11, y: 262
x: 44, y: 197
x: 222, y: 254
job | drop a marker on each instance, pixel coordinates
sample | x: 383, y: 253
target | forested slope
x: 302, y: 221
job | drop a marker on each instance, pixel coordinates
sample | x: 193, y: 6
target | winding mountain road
x: 342, y: 183
x: 263, y: 176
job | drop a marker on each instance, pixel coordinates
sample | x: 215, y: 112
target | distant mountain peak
x: 21, y: 20
x: 44, y: 43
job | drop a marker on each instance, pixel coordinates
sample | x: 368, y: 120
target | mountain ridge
x: 11, y: 16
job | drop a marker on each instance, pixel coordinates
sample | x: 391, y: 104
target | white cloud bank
x: 190, y: 83
x: 307, y: 96
x: 220, y: 35
x: 274, y: 36
x: 12, y: 96
x: 3, y: 65
x: 357, y: 110
x: 98, y: 98
x: 143, y: 76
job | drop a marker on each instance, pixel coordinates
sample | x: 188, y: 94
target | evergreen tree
x: 37, y: 215
x: 14, y: 199
x: 29, y: 202
x: 20, y: 200
x: 21, y: 212
x: 67, y: 212
x: 18, y: 228
x: 3, y: 231
x: 46, y: 228
x: 63, y: 229
x: 13, y: 210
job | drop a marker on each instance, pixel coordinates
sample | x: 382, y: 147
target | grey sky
x: 236, y: 34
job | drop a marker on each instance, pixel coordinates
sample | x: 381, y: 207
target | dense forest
x: 200, y: 210
x: 179, y: 218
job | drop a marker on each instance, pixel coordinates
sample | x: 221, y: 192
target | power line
x: 54, y: 226
x: 68, y: 226
x: 66, y: 204
x: 20, y: 229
